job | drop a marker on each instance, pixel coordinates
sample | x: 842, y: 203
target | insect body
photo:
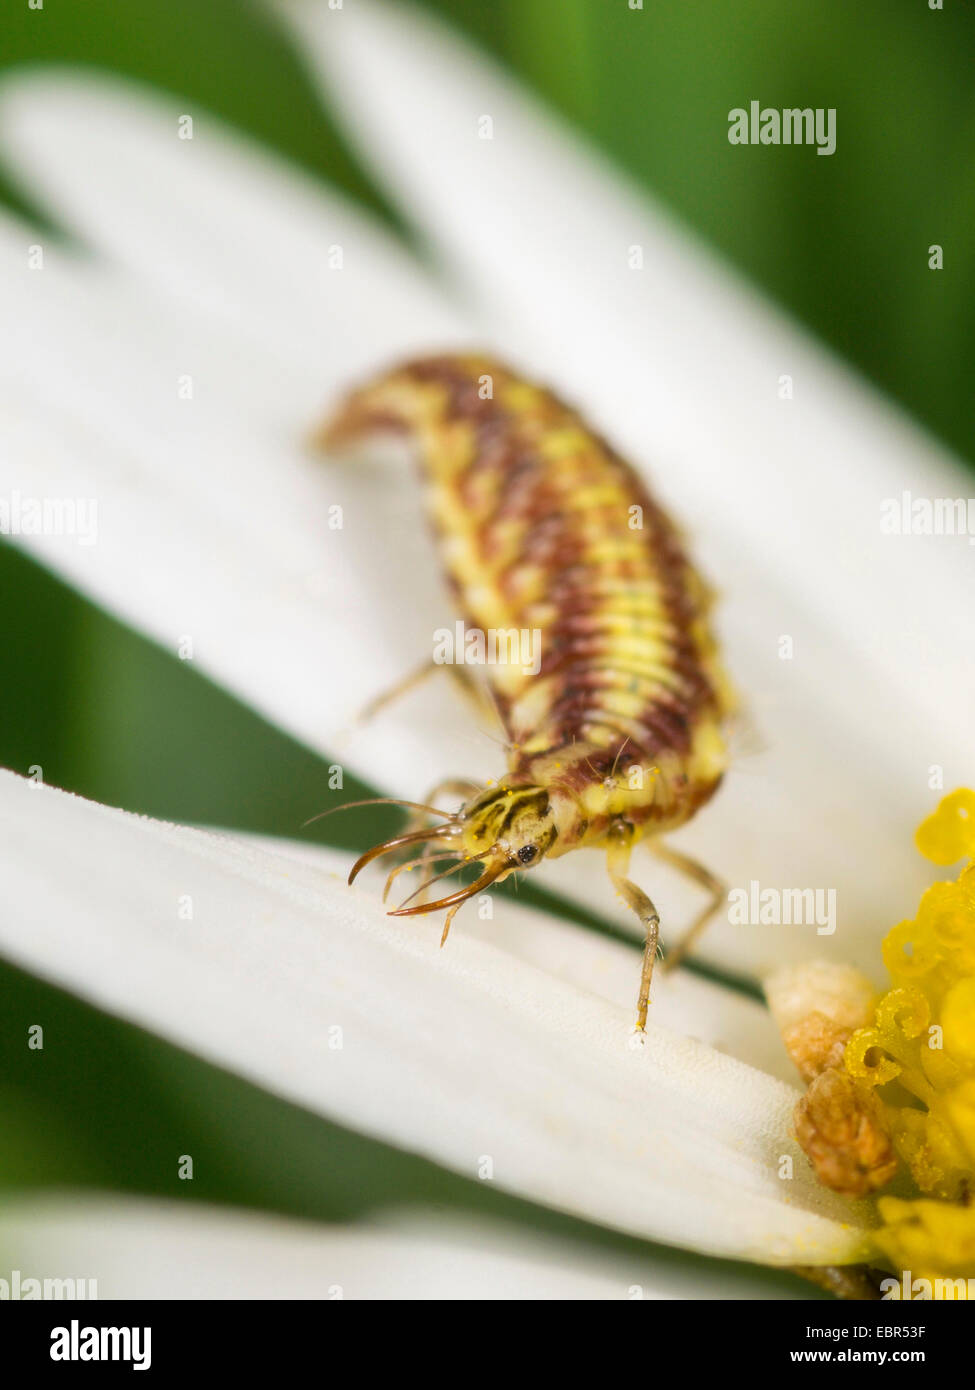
x: 541, y: 526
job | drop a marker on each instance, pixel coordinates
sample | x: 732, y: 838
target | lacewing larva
x: 541, y: 526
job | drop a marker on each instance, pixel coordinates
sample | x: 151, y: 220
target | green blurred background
x: 841, y: 242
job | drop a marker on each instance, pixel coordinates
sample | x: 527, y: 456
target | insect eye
x: 527, y: 853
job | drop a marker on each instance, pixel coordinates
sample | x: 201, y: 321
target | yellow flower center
x: 919, y: 1056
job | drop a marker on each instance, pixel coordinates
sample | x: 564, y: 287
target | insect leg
x: 467, y: 684
x: 709, y: 881
x: 619, y: 844
x: 454, y: 786
x: 387, y: 697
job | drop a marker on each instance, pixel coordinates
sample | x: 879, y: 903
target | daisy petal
x: 683, y: 1003
x: 214, y: 532
x: 290, y: 270
x: 159, y: 1249
x: 468, y: 1056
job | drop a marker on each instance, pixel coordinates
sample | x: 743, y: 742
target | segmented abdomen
x: 542, y: 527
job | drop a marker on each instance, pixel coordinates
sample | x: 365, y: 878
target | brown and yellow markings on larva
x: 615, y: 734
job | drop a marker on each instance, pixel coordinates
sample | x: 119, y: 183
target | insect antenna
x: 375, y: 801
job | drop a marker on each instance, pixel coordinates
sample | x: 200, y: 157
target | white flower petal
x: 683, y: 1003
x: 164, y: 1249
x: 214, y: 524
x: 226, y: 228
x: 454, y: 1054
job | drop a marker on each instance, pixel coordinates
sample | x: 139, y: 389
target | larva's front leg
x: 619, y: 844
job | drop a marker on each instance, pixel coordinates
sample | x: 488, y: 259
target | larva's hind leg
x: 619, y: 845
x: 709, y: 881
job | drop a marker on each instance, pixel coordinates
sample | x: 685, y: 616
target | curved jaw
x: 441, y: 839
x: 454, y: 900
x: 509, y: 828
x: 414, y: 837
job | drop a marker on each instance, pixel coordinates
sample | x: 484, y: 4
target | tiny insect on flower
x: 617, y: 736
